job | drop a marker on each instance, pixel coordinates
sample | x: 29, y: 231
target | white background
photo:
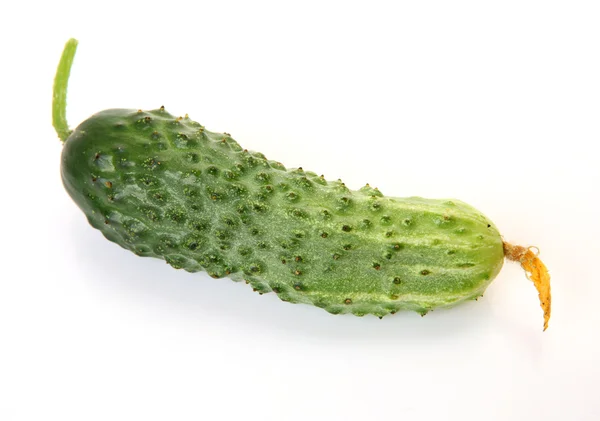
x: 493, y: 103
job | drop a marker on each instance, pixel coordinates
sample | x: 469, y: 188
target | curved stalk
x: 59, y: 99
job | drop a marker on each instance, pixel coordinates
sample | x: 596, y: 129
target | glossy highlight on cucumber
x: 166, y: 187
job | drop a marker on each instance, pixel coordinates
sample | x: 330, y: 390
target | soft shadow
x: 196, y: 296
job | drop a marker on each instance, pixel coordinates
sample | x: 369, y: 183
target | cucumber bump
x: 166, y: 187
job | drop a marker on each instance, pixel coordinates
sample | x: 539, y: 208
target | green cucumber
x: 166, y: 187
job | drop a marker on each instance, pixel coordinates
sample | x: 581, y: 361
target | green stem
x: 59, y: 99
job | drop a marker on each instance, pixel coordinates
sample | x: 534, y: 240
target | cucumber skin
x: 165, y: 187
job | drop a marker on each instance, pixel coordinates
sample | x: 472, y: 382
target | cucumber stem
x: 59, y: 98
x: 535, y: 270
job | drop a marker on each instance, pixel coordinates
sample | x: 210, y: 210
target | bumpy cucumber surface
x: 166, y: 187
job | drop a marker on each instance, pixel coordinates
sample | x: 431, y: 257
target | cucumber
x: 166, y: 187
